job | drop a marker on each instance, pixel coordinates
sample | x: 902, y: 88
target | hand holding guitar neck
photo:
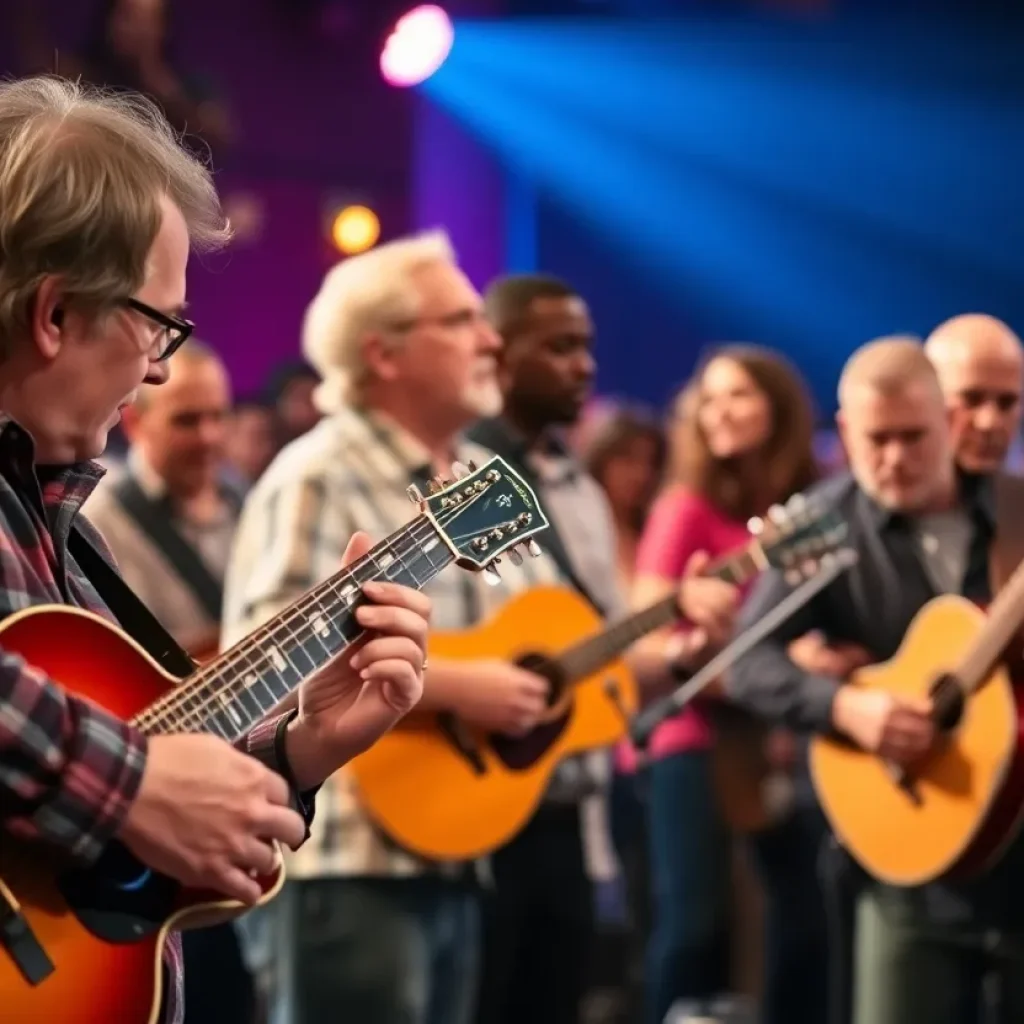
x: 362, y: 692
x: 647, y: 721
x: 707, y: 602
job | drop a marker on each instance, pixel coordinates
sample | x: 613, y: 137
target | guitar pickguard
x: 118, y: 899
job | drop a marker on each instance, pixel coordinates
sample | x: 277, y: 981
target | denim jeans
x: 796, y: 969
x: 390, y: 951
x: 688, y: 954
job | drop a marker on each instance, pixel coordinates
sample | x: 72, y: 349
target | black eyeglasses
x: 174, y: 330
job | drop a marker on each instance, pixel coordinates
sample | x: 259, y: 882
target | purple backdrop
x: 317, y: 126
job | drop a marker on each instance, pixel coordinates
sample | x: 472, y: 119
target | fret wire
x: 411, y: 531
x: 167, y: 712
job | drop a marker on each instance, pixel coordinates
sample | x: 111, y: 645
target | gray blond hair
x: 82, y: 174
x: 887, y: 365
x: 373, y: 291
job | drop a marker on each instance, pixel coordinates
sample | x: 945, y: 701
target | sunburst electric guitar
x: 83, y: 946
x: 954, y: 811
x: 448, y: 791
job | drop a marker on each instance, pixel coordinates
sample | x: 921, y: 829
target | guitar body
x: 431, y: 798
x: 103, y: 928
x: 969, y: 789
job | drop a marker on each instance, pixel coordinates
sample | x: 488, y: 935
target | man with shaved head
x: 980, y: 363
x: 920, y: 528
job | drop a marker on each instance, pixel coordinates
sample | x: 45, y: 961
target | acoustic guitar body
x: 102, y: 928
x: 961, y: 805
x: 444, y: 803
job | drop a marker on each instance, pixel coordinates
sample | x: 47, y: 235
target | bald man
x: 920, y: 529
x: 980, y: 363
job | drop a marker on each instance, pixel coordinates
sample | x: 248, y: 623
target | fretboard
x: 588, y: 656
x: 234, y: 692
x: 1005, y: 614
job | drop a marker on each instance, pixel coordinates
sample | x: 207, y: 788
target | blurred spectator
x: 129, y: 48
x: 625, y: 452
x: 250, y: 444
x: 290, y: 391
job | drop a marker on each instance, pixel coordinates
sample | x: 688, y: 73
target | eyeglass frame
x: 168, y: 321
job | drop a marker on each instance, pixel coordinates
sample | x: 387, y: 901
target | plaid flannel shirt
x: 68, y: 770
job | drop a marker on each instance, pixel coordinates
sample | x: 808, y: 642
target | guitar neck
x: 232, y: 693
x: 1005, y: 615
x: 588, y: 656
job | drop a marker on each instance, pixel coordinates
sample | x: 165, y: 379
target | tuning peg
x: 533, y: 548
x: 777, y: 514
x: 434, y: 485
x: 472, y: 466
x: 415, y: 494
x: 514, y: 557
x: 459, y: 470
x: 491, y: 575
x: 755, y: 524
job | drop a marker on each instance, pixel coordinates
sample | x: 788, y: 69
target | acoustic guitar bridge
x: 614, y: 694
x: 905, y: 782
x: 20, y: 942
x: 454, y: 730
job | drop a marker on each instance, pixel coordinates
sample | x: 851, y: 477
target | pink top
x: 680, y: 524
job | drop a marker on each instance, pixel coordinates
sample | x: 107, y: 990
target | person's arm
x: 68, y: 771
x: 675, y: 530
x: 766, y: 680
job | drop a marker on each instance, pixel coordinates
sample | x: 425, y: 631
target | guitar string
x: 180, y: 707
x: 173, y: 708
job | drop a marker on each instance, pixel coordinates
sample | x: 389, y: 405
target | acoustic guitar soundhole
x: 520, y: 753
x: 118, y: 899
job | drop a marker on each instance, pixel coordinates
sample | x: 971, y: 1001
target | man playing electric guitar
x: 98, y: 208
x: 921, y: 529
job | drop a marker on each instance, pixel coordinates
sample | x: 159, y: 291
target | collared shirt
x: 899, y: 570
x: 349, y: 473
x: 146, y: 569
x: 68, y: 770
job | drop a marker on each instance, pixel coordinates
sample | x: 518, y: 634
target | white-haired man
x: 408, y: 361
x: 98, y: 207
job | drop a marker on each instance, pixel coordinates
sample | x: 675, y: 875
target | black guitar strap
x: 154, y: 519
x: 135, y: 618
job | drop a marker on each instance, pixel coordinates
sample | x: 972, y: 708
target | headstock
x: 800, y: 536
x: 484, y: 513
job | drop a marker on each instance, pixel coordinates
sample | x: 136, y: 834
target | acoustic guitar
x: 83, y: 945
x: 447, y: 791
x: 953, y: 812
